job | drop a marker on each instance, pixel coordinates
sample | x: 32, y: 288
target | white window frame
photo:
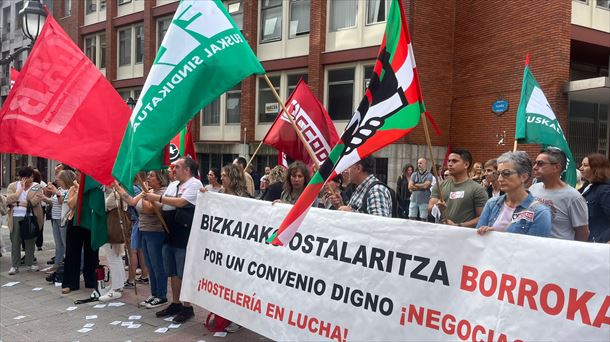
x: 366, y: 13
x: 222, y: 109
x: 359, y: 87
x: 159, y: 39
x: 134, y: 68
x: 607, y: 7
x: 356, y: 20
x: 97, y: 37
x: 262, y: 40
x: 98, y: 14
x: 230, y: 5
x: 298, y: 34
x: 283, y: 90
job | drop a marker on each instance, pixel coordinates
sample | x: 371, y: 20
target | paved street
x: 35, y: 310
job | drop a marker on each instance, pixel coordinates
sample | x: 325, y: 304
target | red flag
x: 63, y: 108
x: 313, y: 121
x: 14, y: 76
x: 182, y: 144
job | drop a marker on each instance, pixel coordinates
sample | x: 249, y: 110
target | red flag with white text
x: 61, y: 107
x: 313, y: 122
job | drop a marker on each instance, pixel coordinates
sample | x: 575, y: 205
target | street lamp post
x: 33, y: 17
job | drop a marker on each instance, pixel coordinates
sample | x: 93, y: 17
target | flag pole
x: 254, y: 155
x: 294, y: 125
x: 157, y: 212
x: 515, y: 146
x: 434, y: 169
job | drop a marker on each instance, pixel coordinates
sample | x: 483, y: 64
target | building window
x: 293, y: 80
x: 90, y: 6
x: 341, y: 93
x: 102, y: 38
x: 268, y: 108
x: 90, y: 49
x: 299, y: 18
x: 125, y: 47
x: 343, y: 14
x: 18, y: 62
x: 102, y: 5
x: 67, y: 8
x: 271, y: 20
x: 211, y: 113
x: 6, y: 19
x: 162, y: 26
x: 139, y: 32
x: 123, y: 2
x: 233, y: 104
x: 377, y: 11
x: 18, y: 8
x: 368, y: 72
x: 603, y: 4
x: 236, y: 10
x: 126, y: 93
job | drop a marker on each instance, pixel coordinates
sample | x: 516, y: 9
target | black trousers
x: 79, y: 239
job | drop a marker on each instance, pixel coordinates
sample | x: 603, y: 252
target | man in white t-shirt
x: 568, y: 208
x: 181, y: 194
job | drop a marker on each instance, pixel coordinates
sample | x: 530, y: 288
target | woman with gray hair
x: 516, y: 211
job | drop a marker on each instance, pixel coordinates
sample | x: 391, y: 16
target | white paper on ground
x: 134, y: 326
x: 12, y: 283
x: 117, y: 304
x: 84, y: 330
x: 91, y: 317
x: 126, y: 324
x: 174, y: 326
x: 99, y: 306
x: 57, y: 284
x: 161, y: 330
x: 220, y: 334
x: 169, y: 319
x: 115, y: 323
x: 135, y: 317
x: 72, y: 308
x: 37, y: 289
x: 89, y: 325
x: 20, y: 317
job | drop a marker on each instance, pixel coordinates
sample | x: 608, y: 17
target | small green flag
x: 537, y: 124
x: 93, y: 216
x: 202, y: 55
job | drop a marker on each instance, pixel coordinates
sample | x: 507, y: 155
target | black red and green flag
x: 391, y: 108
x: 91, y: 210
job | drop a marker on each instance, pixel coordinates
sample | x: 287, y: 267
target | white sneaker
x: 233, y: 327
x: 34, y: 268
x: 13, y: 270
x: 111, y: 295
x: 147, y: 300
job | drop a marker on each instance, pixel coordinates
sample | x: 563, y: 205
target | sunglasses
x: 506, y: 173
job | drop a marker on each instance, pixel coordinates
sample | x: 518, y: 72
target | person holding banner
x: 595, y: 169
x: 516, y: 211
x: 178, y: 209
x: 569, y: 208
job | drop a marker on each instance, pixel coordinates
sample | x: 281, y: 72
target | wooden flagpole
x: 515, y: 146
x: 294, y: 125
x: 434, y: 169
x: 254, y: 155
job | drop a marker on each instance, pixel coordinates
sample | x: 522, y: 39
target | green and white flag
x: 202, y: 55
x: 537, y: 124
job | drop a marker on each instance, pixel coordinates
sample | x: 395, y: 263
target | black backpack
x: 395, y: 207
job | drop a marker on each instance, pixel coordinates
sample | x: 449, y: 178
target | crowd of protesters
x: 514, y: 193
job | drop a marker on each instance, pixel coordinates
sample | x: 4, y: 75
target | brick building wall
x: 468, y: 53
x: 491, y: 39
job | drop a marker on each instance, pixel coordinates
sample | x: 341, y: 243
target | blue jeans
x: 152, y: 246
x: 59, y: 235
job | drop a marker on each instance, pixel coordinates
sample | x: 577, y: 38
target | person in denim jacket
x: 516, y: 211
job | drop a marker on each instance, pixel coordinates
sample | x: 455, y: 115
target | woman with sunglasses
x: 595, y: 169
x: 516, y: 211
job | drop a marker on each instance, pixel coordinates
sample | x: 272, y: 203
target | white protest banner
x: 354, y: 277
